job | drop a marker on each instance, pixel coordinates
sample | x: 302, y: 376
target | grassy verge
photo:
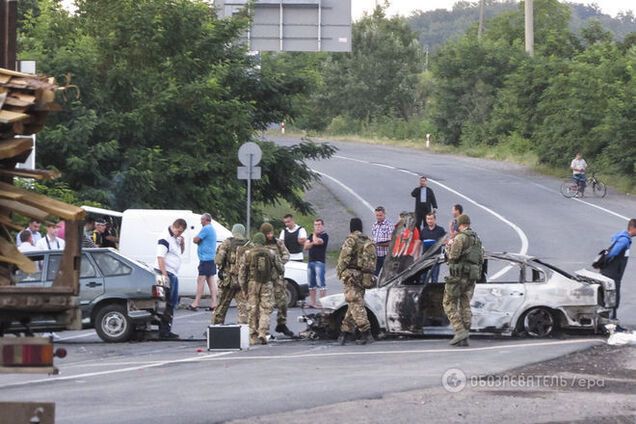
x: 506, y: 152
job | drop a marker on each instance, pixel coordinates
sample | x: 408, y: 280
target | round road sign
x: 247, y: 150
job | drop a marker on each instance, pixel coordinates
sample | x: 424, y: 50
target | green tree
x: 167, y: 96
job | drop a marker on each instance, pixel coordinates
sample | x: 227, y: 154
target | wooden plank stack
x: 25, y: 101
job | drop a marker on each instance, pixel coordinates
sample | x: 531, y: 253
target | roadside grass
x: 506, y: 152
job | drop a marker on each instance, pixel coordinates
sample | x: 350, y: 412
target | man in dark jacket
x: 617, y: 258
x: 424, y: 201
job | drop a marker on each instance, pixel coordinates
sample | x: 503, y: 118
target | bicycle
x: 570, y: 187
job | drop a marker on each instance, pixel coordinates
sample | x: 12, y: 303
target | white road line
x: 347, y: 188
x: 407, y: 352
x: 602, y: 208
x: 116, y: 371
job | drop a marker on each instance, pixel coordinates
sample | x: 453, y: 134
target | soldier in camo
x: 465, y: 260
x: 280, y: 289
x: 227, y: 262
x: 351, y: 276
x: 260, y: 294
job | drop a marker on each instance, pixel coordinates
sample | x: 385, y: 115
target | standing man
x: 578, y: 167
x: 355, y: 268
x: 425, y: 201
x: 34, y: 228
x: 50, y: 241
x: 316, y: 244
x: 431, y: 234
x: 170, y: 247
x: 206, y: 249
x: 257, y: 270
x: 280, y: 286
x: 453, y: 227
x: 381, y: 233
x: 227, y: 262
x: 465, y: 260
x: 617, y: 258
x: 294, y: 237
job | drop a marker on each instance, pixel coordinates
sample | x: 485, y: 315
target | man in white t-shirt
x: 26, y: 241
x: 294, y: 237
x: 170, y: 247
x: 578, y: 167
x: 50, y: 241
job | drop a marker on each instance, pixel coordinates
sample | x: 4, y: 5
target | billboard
x: 295, y: 25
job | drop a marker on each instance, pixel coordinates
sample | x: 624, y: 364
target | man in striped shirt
x: 381, y: 234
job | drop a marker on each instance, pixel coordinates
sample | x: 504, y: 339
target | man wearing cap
x: 280, y: 292
x: 465, y: 260
x: 50, y: 241
x: 227, y: 261
x: 257, y: 270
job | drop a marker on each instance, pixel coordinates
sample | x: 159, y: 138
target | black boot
x: 365, y: 338
x: 282, y: 328
x: 343, y: 337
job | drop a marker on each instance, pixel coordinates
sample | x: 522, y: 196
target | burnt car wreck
x: 517, y: 295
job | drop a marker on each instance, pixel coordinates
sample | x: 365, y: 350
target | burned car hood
x: 594, y: 277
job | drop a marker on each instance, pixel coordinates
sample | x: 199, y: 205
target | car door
x: 499, y: 295
x: 23, y: 279
x: 91, y: 282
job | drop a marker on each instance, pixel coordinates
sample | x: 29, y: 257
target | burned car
x: 517, y: 294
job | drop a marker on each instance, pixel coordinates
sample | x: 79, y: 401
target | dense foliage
x: 166, y: 95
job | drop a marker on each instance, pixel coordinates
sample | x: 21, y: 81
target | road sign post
x: 250, y: 155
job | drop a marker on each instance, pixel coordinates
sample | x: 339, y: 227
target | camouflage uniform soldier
x: 356, y: 267
x: 465, y: 260
x: 227, y: 262
x: 280, y: 286
x: 256, y: 274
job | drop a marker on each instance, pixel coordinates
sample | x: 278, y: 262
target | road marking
x: 407, y: 352
x: 116, y: 371
x: 78, y: 336
x: 602, y: 208
x: 347, y: 188
x: 524, y: 238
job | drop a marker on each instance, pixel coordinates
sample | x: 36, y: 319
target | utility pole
x: 529, y: 13
x: 480, y: 31
x: 8, y: 33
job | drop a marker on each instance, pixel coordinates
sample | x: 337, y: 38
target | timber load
x: 25, y: 102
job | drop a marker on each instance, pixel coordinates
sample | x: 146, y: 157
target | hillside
x: 437, y: 26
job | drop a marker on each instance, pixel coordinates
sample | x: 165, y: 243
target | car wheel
x: 292, y: 294
x: 113, y: 324
x: 539, y: 322
x: 339, y: 315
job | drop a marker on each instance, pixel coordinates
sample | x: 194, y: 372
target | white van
x: 141, y: 228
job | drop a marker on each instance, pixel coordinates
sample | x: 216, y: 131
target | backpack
x: 233, y: 254
x: 261, y: 265
x: 366, y: 256
x: 474, y: 256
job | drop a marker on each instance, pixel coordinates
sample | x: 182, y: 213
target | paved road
x: 131, y: 382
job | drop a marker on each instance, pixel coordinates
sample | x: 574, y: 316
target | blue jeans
x: 172, y: 301
x: 434, y: 278
x: 316, y: 271
x: 580, y: 181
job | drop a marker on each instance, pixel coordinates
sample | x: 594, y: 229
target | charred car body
x: 517, y: 294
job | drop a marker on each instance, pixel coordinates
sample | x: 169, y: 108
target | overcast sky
x: 405, y: 7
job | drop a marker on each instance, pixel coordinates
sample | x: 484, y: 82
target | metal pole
x: 319, y: 25
x: 280, y: 29
x: 480, y: 31
x: 529, y: 13
x: 249, y: 196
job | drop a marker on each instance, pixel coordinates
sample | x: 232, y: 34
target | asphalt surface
x: 168, y: 382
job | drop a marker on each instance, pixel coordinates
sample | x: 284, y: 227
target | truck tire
x: 113, y: 324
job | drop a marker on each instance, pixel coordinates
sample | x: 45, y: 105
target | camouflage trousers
x: 229, y: 289
x: 457, y: 296
x: 280, y: 300
x: 260, y: 299
x: 356, y: 316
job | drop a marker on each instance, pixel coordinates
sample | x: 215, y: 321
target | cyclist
x: 578, y: 167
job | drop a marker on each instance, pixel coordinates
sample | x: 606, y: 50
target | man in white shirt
x: 170, y: 247
x: 50, y: 241
x: 294, y: 237
x: 26, y: 242
x: 34, y: 228
x: 578, y: 167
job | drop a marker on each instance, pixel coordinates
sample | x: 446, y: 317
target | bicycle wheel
x: 569, y: 188
x: 599, y: 189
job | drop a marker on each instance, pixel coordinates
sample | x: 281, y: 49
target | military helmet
x: 238, y: 230
x: 259, y: 239
x: 463, y: 219
x: 266, y: 228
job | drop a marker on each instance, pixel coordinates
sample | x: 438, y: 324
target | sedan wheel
x: 539, y: 322
x: 113, y: 325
